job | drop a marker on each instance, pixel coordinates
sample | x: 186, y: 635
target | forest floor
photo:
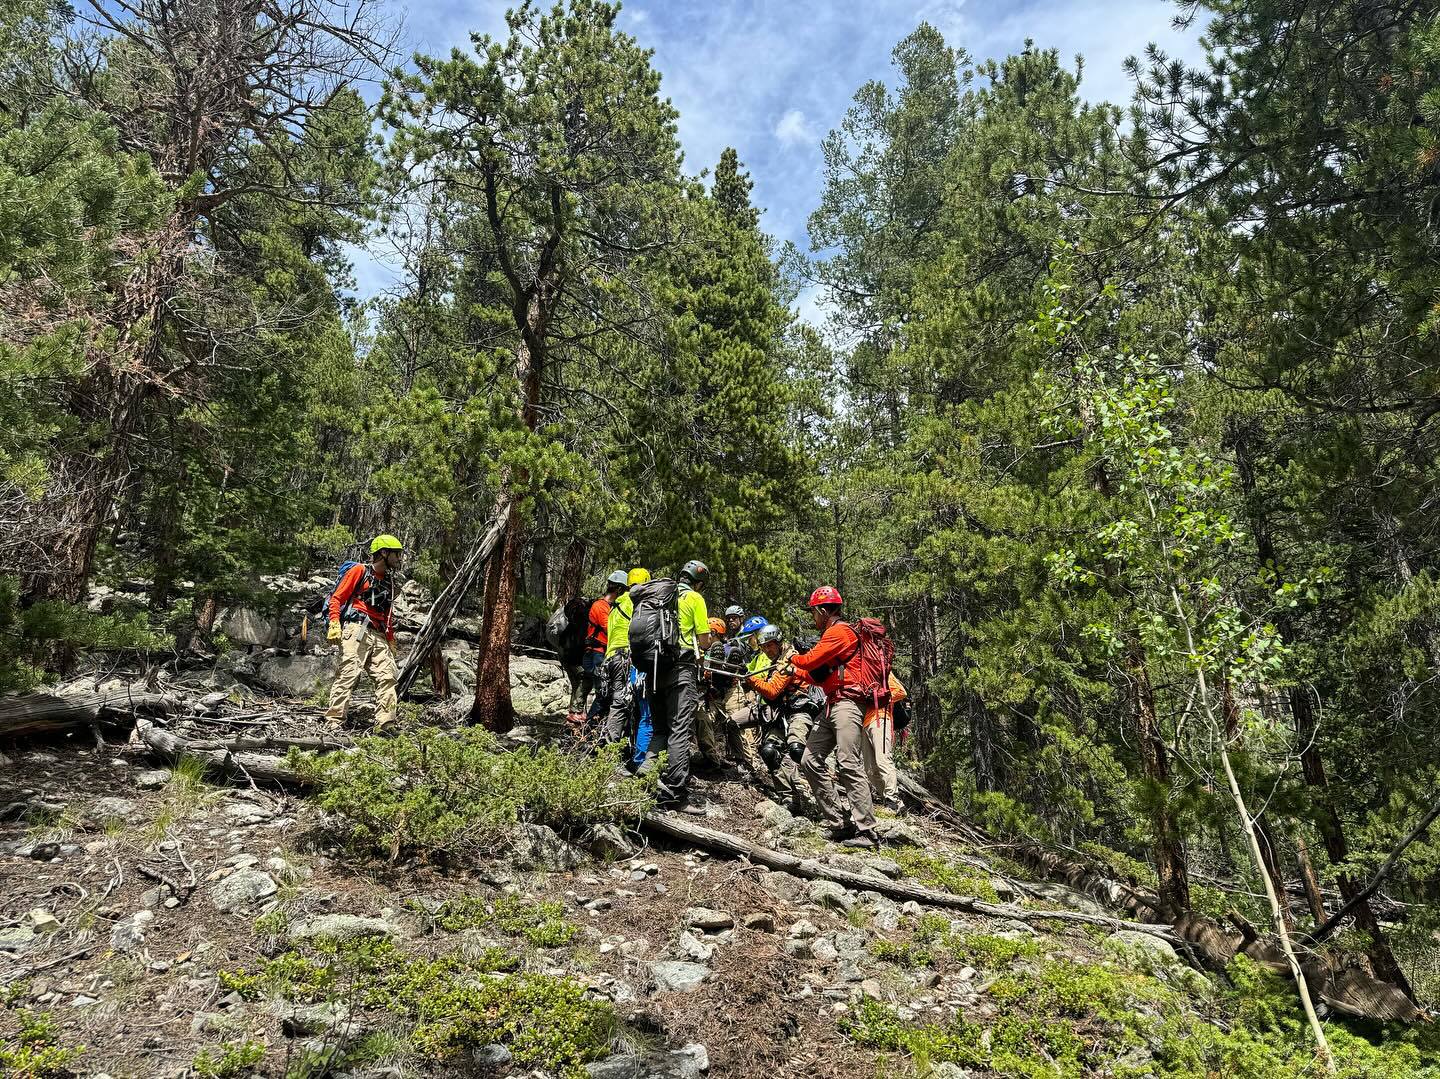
x: 154, y: 924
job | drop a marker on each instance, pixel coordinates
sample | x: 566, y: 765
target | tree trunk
x: 1314, y: 897
x: 492, y: 674
x: 1169, y: 851
x: 572, y: 571
x: 492, y: 706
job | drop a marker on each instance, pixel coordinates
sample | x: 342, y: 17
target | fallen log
x: 1051, y: 865
x: 48, y: 713
x: 673, y: 827
x: 443, y: 609
x: 252, y: 768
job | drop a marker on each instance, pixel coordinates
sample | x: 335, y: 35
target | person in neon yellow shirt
x: 617, y: 660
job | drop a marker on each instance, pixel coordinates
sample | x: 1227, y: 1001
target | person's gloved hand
x: 333, y: 633
x: 797, y: 750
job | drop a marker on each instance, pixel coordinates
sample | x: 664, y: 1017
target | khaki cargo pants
x: 364, y: 650
x: 840, y: 730
x: 879, y: 748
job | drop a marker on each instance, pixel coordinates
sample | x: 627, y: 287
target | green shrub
x: 454, y: 795
x: 936, y: 872
x: 233, y: 1058
x: 542, y: 923
x: 36, y: 1052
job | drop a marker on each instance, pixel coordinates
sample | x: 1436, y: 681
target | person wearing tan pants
x: 364, y: 650
x: 362, y: 622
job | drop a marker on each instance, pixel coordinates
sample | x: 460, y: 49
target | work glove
x: 797, y: 750
x: 333, y: 633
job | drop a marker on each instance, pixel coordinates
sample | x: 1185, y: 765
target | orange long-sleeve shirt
x: 352, y: 591
x: 779, y: 681
x: 836, y: 645
x: 598, y: 634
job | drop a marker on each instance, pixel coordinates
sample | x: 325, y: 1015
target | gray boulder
x: 107, y: 809
x: 241, y: 889
x: 827, y: 893
x: 152, y: 779
x: 678, y: 976
x: 534, y: 846
x: 1148, y: 950
x: 247, y: 627
x: 610, y: 843
x: 297, y: 676
x: 308, y: 1020
x: 706, y: 919
x: 1068, y: 897
x: 340, y: 927
x: 688, y: 1063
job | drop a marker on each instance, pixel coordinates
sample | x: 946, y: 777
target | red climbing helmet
x: 825, y: 595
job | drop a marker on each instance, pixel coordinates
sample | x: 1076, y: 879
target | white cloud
x: 794, y: 128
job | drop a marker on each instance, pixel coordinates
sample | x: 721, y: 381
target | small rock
x: 341, y: 927
x: 609, y: 842
x: 706, y: 919
x: 16, y: 938
x: 1004, y: 890
x: 822, y: 949
x: 602, y: 903
x: 1148, y: 949
x: 44, y: 852
x: 243, y: 861
x: 83, y: 1001
x: 113, y: 809
x: 678, y: 977
x: 491, y: 1056
x: 306, y: 1021
x: 685, y: 1064
x: 899, y: 834
x: 804, y: 929
x: 692, y: 947
x: 946, y: 1070
x: 152, y: 779
x: 797, y: 948
x: 827, y: 893
x: 129, y: 935
x: 534, y: 846
x: 871, y: 988
x: 760, y: 921
x: 42, y: 922
x: 242, y: 889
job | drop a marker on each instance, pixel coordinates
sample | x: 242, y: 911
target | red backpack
x: 866, y: 674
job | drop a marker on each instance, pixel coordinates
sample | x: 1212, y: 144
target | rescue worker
x: 734, y: 620
x: 362, y: 622
x: 710, y: 721
x: 675, y: 699
x: 879, y: 750
x: 741, y: 729
x: 840, y: 729
x: 784, y: 715
x: 593, y: 662
x: 617, y: 661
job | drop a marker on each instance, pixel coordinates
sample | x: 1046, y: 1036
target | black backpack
x: 566, y: 627
x: 655, y: 625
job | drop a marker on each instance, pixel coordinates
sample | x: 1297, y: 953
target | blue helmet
x: 754, y: 624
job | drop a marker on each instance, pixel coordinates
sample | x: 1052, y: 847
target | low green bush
x: 453, y: 795
x: 36, y: 1052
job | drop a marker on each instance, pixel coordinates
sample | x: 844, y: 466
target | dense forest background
x: 1125, y: 419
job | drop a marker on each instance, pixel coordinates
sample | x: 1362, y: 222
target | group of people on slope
x: 732, y: 687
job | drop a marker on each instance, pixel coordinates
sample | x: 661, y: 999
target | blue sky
x: 771, y: 78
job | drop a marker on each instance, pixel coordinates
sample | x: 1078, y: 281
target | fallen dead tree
x: 46, y: 713
x: 1085, y: 877
x: 221, y: 763
x: 673, y: 827
x: 1347, y: 989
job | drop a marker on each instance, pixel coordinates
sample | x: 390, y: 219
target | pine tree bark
x: 493, y: 707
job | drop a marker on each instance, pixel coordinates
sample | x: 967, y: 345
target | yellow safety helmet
x: 386, y: 542
x: 638, y: 576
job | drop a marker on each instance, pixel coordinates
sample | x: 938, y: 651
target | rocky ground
x: 155, y: 924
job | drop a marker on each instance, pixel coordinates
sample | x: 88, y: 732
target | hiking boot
x: 840, y: 833
x: 859, y: 841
